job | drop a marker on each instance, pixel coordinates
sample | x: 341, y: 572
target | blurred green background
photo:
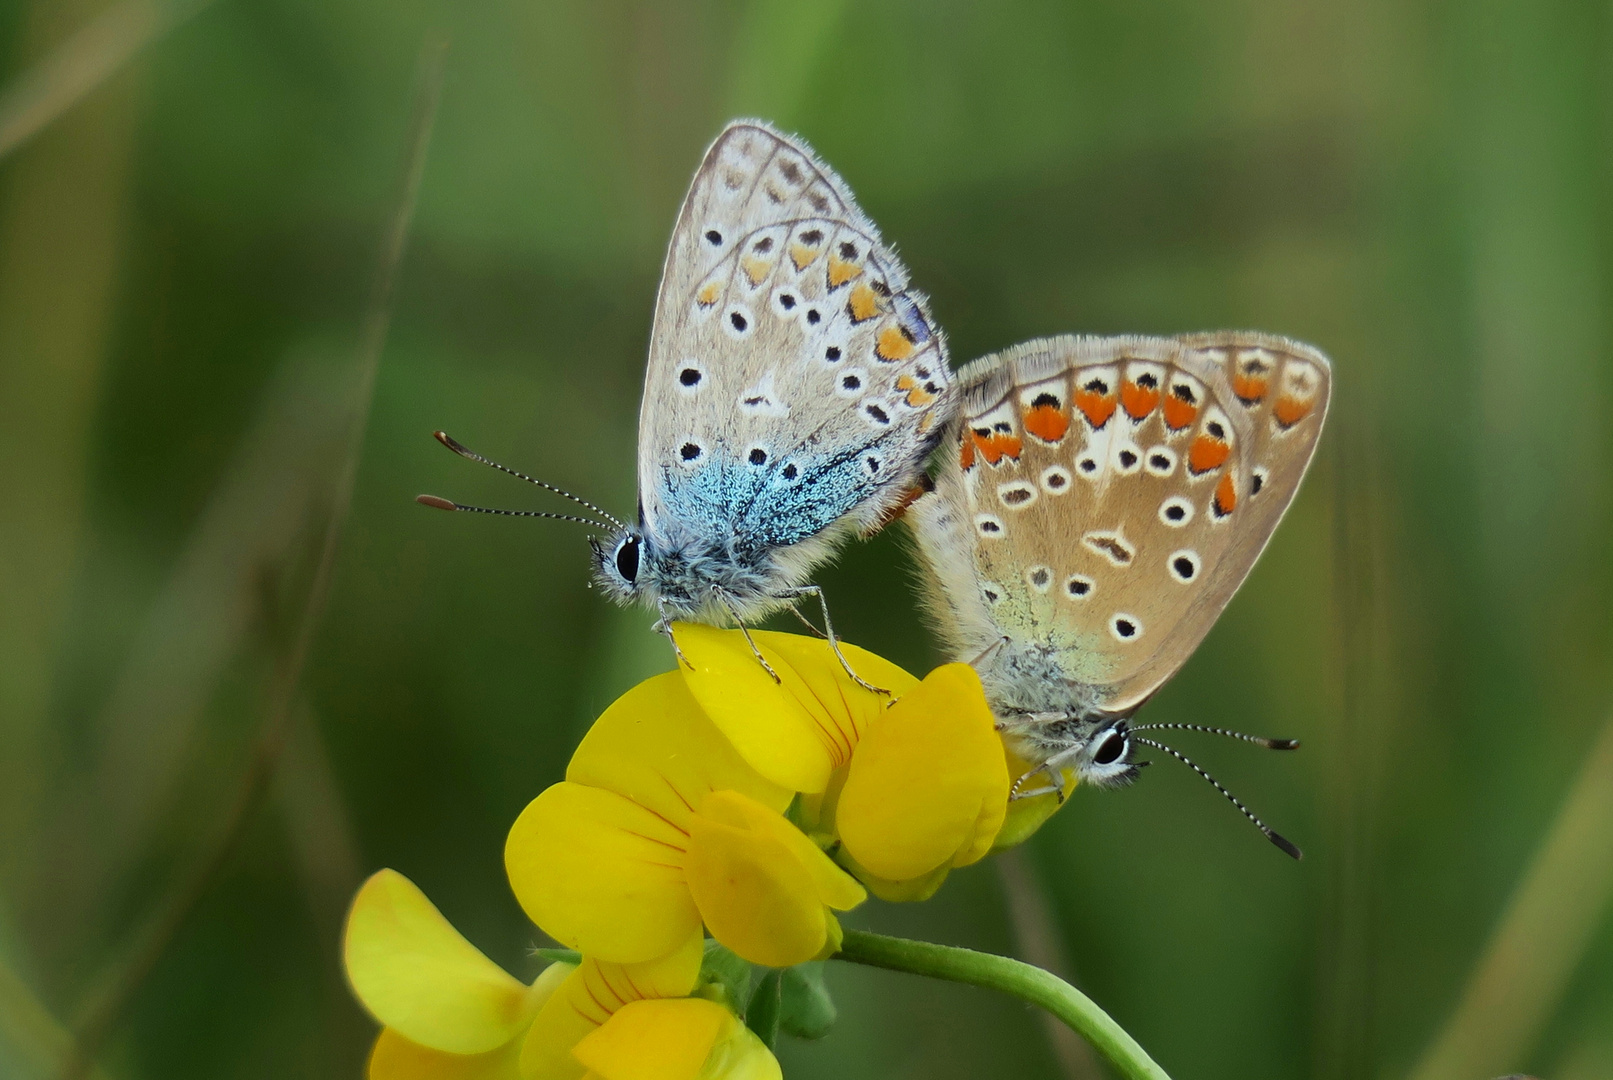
x: 186, y: 251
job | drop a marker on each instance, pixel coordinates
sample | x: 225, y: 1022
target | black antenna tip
x: 1281, y: 744
x: 435, y: 502
x: 1289, y: 847
x: 450, y: 442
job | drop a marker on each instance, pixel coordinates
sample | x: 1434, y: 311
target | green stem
x: 1024, y: 981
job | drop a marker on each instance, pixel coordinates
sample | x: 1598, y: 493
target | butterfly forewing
x: 1114, y: 493
x: 793, y: 379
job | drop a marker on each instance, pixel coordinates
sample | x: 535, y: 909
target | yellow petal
x: 396, y: 1058
x: 908, y: 891
x: 659, y: 1040
x: 1025, y: 816
x: 417, y: 974
x: 741, y: 1056
x: 601, y: 874
x: 835, y: 887
x: 754, y: 894
x: 928, y: 786
x: 797, y: 731
x: 655, y: 746
x: 588, y: 998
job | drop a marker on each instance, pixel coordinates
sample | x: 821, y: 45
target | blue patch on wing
x: 727, y: 500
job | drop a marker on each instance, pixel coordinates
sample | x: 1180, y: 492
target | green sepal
x: 560, y: 956
x: 805, y: 1008
x: 766, y: 1001
x: 722, y: 971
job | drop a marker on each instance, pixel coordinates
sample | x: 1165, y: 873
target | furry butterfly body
x: 1100, y: 501
x: 794, y: 389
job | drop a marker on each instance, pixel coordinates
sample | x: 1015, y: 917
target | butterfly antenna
x: 1269, y: 744
x: 459, y: 448
x: 1288, y: 847
x: 448, y: 504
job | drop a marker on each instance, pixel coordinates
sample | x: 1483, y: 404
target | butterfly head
x: 620, y: 565
x: 1097, y: 749
x: 1102, y: 756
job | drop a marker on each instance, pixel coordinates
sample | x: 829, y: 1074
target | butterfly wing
x: 794, y: 380
x: 1113, y: 493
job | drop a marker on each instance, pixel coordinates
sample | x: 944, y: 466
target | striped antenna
x: 459, y: 448
x: 439, y: 503
x: 1288, y: 846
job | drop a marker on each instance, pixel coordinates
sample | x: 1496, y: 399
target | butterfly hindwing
x: 794, y: 382
x: 1113, y: 493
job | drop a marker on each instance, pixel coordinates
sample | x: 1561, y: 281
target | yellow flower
x: 910, y: 789
x: 661, y: 826
x: 685, y: 1039
x: 449, y: 1013
x: 452, y: 1014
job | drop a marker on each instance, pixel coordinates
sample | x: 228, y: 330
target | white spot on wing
x: 762, y: 399
x: 1055, y: 479
x: 1016, y: 494
x: 1125, y: 627
x: 1160, y: 460
x: 1175, y: 511
x: 1112, y: 545
x: 1183, y: 565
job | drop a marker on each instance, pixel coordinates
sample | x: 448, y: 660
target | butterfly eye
x: 627, y: 558
x: 1110, y: 750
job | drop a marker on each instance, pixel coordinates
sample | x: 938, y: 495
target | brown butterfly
x: 1102, y: 500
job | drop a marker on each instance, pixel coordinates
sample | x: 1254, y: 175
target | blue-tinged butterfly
x: 1102, y: 500
x: 795, y: 387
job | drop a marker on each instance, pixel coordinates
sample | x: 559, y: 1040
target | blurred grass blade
x: 259, y: 512
x: 1037, y: 941
x: 83, y: 62
x: 317, y: 823
x: 118, y: 988
x: 1559, y: 904
x: 28, y: 1030
x: 775, y: 54
x: 64, y: 237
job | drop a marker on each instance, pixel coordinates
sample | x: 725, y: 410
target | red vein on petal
x: 615, y: 993
x: 609, y: 1012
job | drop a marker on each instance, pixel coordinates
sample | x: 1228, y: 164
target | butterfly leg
x: 806, y: 622
x: 664, y: 626
x: 755, y: 651
x: 1051, y: 768
x: 834, y: 642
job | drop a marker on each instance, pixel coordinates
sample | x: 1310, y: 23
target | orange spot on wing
x: 841, y: 271
x: 1178, y: 413
x: 917, y: 395
x: 997, y: 445
x: 1206, y: 453
x: 863, y: 304
x: 707, y: 294
x: 1249, y: 386
x: 1047, y: 422
x: 966, y: 454
x: 1226, y: 496
x: 1139, y: 401
x: 1290, y: 411
x: 755, y: 269
x: 1096, y: 407
x: 802, y: 256
x: 893, y: 344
